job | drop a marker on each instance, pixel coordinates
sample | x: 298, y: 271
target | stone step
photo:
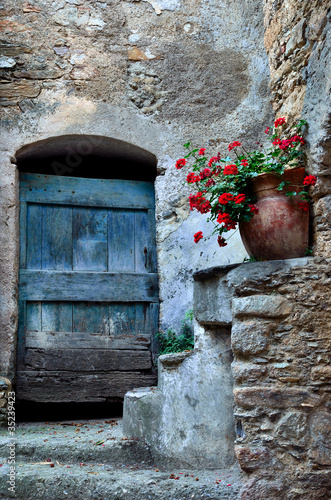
x: 94, y: 441
x: 105, y: 482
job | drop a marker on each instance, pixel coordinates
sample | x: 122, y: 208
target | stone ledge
x: 174, y: 359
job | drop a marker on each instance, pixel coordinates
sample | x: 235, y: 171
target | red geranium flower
x: 280, y: 121
x: 198, y: 236
x: 230, y: 170
x: 310, y: 180
x: 267, y: 130
x: 225, y: 198
x: 234, y: 144
x: 205, y: 173
x: 244, y: 163
x: 202, y: 151
x: 212, y: 160
x: 221, y: 241
x: 254, y: 209
x: 180, y: 163
x: 240, y: 198
x: 192, y: 178
x: 304, y: 206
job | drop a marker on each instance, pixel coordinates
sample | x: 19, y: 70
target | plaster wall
x: 153, y: 74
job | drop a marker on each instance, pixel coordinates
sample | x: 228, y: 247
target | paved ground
x: 93, y: 460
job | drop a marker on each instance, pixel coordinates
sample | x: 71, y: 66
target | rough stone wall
x: 151, y: 73
x: 280, y: 313
x: 5, y: 389
x: 281, y: 369
x: 298, y: 42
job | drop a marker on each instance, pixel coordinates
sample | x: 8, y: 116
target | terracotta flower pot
x: 280, y: 229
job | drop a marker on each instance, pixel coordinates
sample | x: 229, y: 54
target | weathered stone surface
x: 245, y: 373
x: 320, y: 450
x: 271, y: 397
x: 265, y: 306
x: 19, y: 90
x: 263, y: 489
x: 249, y: 338
x: 321, y: 373
x: 293, y: 428
x: 7, y: 62
x: 189, y: 419
x: 251, y: 459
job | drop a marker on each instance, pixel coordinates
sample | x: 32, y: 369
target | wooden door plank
x: 86, y: 192
x: 87, y: 360
x: 21, y: 339
x: 56, y: 317
x: 90, y: 317
x: 122, y: 319
x: 152, y: 256
x: 142, y: 318
x: 23, y: 224
x: 33, y: 316
x: 89, y: 228
x: 33, y: 237
x: 141, y: 241
x: 69, y: 340
x: 121, y: 235
x: 71, y: 387
x: 86, y: 286
x: 57, y: 238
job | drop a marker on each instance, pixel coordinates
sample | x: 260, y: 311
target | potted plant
x: 261, y: 191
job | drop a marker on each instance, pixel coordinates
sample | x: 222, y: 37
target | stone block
x: 251, y: 459
x: 7, y: 62
x: 297, y: 39
x: 263, y: 489
x: 320, y: 428
x: 265, y: 306
x: 321, y: 373
x: 247, y: 372
x: 272, y: 397
x: 5, y: 384
x: 19, y: 90
x: 249, y: 338
x: 293, y: 428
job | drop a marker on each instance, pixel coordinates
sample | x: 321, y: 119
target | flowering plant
x: 223, y: 183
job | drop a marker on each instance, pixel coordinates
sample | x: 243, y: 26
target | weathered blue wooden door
x: 88, y: 292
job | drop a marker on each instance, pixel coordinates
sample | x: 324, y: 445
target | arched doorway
x: 88, y: 291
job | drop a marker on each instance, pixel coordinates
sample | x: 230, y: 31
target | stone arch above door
x: 74, y: 154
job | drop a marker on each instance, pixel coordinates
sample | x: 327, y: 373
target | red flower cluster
x: 192, y: 178
x: 225, y: 219
x: 225, y: 198
x: 234, y: 144
x: 286, y: 143
x: 180, y: 163
x: 198, y: 236
x: 280, y: 121
x: 200, y: 203
x: 221, y: 241
x: 240, y: 198
x: 230, y: 170
x: 202, y: 151
x: 212, y: 160
x: 267, y: 130
x: 210, y: 182
x: 205, y: 173
x: 304, y: 205
x: 244, y: 163
x: 310, y: 180
x: 254, y: 209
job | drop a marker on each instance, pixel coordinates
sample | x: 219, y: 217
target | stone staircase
x: 94, y: 460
